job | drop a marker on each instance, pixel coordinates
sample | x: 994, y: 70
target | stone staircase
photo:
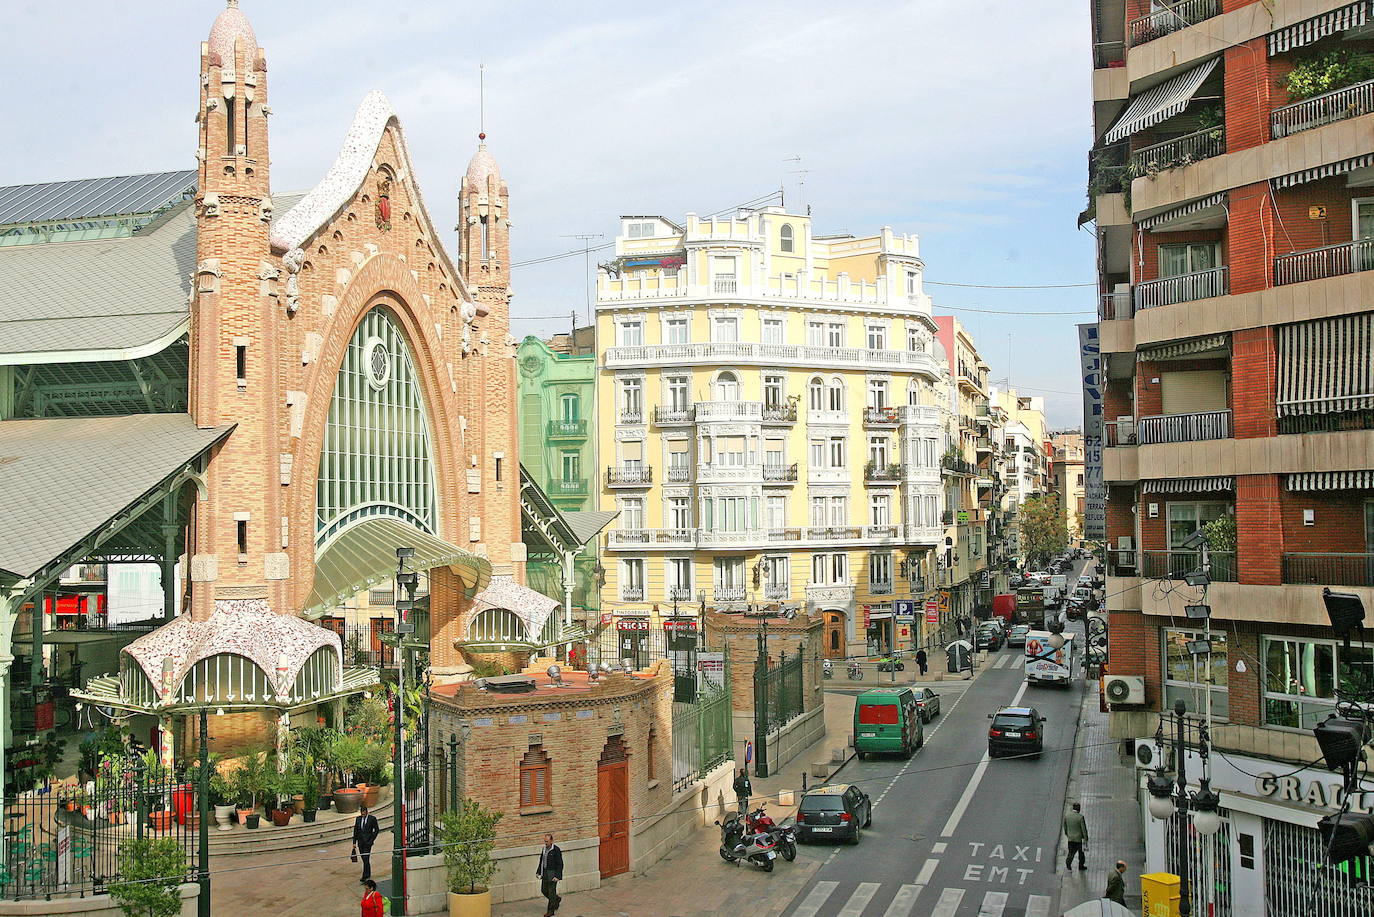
x: 329, y: 828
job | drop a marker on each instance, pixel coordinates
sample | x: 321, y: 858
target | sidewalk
x: 1106, y: 787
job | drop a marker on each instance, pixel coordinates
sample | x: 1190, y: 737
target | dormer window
x: 640, y: 230
x: 785, y: 238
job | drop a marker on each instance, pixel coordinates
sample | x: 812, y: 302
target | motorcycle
x: 856, y: 672
x: 828, y: 669
x: 784, y: 835
x: 737, y: 843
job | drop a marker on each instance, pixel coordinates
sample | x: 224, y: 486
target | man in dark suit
x: 550, y: 873
x: 365, y: 831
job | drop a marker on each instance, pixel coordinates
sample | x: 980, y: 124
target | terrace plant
x: 1327, y: 71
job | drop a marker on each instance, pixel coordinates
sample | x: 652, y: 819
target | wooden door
x: 836, y: 646
x: 613, y: 808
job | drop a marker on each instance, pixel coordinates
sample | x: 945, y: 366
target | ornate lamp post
x: 1168, y: 797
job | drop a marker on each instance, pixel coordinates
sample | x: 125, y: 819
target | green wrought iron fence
x: 778, y: 691
x: 703, y: 732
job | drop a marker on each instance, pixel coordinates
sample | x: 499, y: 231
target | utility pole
x: 585, y: 238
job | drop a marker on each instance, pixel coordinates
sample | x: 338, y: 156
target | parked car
x: 838, y: 810
x: 988, y: 638
x: 928, y: 702
x: 887, y: 720
x: 1018, y: 730
x: 1017, y: 637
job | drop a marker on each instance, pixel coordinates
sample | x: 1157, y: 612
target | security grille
x: 1209, y: 866
x: 1298, y: 882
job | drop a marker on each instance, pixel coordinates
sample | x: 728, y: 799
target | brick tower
x: 237, y: 552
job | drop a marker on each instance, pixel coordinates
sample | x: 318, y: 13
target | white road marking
x: 993, y: 904
x: 938, y: 847
x: 927, y: 870
x: 854, y: 907
x: 1038, y: 906
x: 905, y: 902
x: 813, y: 901
x: 978, y: 773
x: 948, y: 903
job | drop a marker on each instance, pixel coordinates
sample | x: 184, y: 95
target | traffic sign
x: 904, y: 607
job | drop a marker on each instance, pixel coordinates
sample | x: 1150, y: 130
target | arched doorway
x: 613, y: 807
x: 834, y: 635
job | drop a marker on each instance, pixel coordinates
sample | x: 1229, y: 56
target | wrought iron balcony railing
x: 1177, y: 564
x: 1171, y: 19
x: 567, y: 429
x: 1327, y: 569
x: 1180, y: 151
x: 780, y: 473
x: 629, y: 477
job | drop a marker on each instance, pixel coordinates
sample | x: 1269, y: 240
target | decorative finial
x: 481, y: 101
x: 482, y: 136
x: 232, y: 4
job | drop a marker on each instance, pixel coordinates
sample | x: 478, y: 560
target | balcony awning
x: 1326, y: 366
x: 1331, y: 480
x: 1318, y: 27
x: 1317, y: 173
x: 364, y: 555
x: 1162, y: 102
x: 1183, y: 210
x: 1178, y: 349
x: 1187, y: 485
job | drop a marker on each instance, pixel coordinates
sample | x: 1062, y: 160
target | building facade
x: 1066, y: 480
x: 1230, y: 185
x: 770, y: 423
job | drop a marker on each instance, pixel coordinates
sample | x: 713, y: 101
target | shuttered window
x: 1193, y: 392
x: 534, y: 778
x: 1326, y: 366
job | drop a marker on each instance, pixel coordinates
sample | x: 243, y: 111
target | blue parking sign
x: 904, y: 607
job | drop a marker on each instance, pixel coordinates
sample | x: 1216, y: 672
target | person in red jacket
x: 372, y: 900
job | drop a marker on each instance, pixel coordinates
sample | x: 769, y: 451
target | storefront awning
x: 1162, y: 102
x: 1177, y: 349
x: 364, y: 555
x: 1326, y: 366
x: 1187, y: 485
x: 1318, y: 27
x: 1331, y: 480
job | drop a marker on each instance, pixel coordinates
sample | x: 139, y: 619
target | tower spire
x: 481, y: 101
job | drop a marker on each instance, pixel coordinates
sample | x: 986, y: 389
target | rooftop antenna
x: 801, y: 173
x: 482, y: 100
x: 586, y: 238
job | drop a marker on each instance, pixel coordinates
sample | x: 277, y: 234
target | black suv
x: 989, y: 637
x: 1018, y: 730
x: 839, y: 810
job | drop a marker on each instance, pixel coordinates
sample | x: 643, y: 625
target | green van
x: 887, y: 720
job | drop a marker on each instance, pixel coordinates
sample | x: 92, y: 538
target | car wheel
x: 858, y: 832
x: 861, y: 755
x: 868, y: 822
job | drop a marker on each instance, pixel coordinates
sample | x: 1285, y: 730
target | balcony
x: 1327, y: 423
x: 1171, y: 19
x: 1120, y: 432
x: 567, y: 488
x: 984, y: 444
x: 776, y: 593
x: 567, y: 429
x: 808, y: 357
x: 947, y: 517
x: 629, y: 476
x: 624, y: 538
x: 882, y: 473
x: 727, y: 286
x: 1323, y: 569
x: 1327, y: 261
x: 779, y: 413
x: 780, y: 474
x: 958, y: 466
x: 1327, y: 108
x: 1116, y: 307
x: 730, y: 410
x: 1180, y: 151
x: 679, y: 474
x: 880, y: 589
x: 666, y: 416
x: 1184, y: 428
x: 1181, y: 288
x: 631, y: 415
x: 631, y: 593
x: 1109, y: 54
x: 1177, y: 564
x: 729, y: 593
x: 882, y: 416
x: 679, y: 593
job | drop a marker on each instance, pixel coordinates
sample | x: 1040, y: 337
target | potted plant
x: 222, y: 795
x: 310, y: 793
x: 251, y: 781
x: 150, y: 874
x: 376, y: 759
x: 468, y: 837
x: 347, y: 754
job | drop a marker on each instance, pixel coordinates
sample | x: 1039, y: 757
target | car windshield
x: 822, y: 804
x: 1011, y: 721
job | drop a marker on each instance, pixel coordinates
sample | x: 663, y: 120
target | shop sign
x: 932, y: 612
x: 711, y: 667
x: 606, y: 618
x: 672, y: 624
x: 868, y: 612
x: 944, y: 600
x: 961, y: 517
x: 904, y: 608
x: 632, y: 624
x: 1312, y: 793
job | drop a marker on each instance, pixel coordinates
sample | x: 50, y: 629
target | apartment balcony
x: 732, y: 411
x: 678, y: 474
x: 729, y: 594
x: 1116, y: 307
x: 953, y: 465
x: 1327, y: 423
x: 779, y: 413
x: 780, y: 474
x: 984, y: 444
x: 725, y: 286
x: 947, y: 517
x: 882, y: 416
x: 1120, y: 432
x: 1182, y: 428
x: 776, y: 593
x: 1180, y: 151
x: 1177, y: 564
x: 840, y: 595
x: 567, y: 429
x: 919, y: 414
x: 1327, y: 108
x: 716, y: 473
x: 1181, y: 288
x: 631, y: 593
x: 745, y: 352
x: 630, y: 415
x: 1327, y: 261
x: 1171, y: 19
x: 1326, y: 569
x: 560, y: 488
x: 984, y: 483
x: 1109, y: 54
x: 670, y: 416
x: 629, y: 476
x: 639, y: 538
x: 882, y: 473
x: 729, y: 538
x: 679, y: 593
x: 880, y: 589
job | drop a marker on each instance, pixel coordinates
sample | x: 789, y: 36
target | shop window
x: 1303, y: 679
x: 534, y: 778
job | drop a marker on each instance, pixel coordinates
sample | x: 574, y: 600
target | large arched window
x: 496, y: 625
x: 727, y: 387
x: 835, y: 402
x: 785, y: 238
x: 319, y: 677
x: 225, y: 678
x: 376, y: 458
x: 815, y: 394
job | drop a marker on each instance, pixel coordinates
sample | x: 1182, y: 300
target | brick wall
x: 1243, y: 688
x: 1338, y: 525
x: 1250, y: 237
x: 1259, y: 538
x: 1247, y: 94
x: 739, y: 634
x: 1253, y: 383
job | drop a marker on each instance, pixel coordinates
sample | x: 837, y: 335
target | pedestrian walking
x: 743, y: 790
x: 373, y: 905
x: 550, y: 873
x: 921, y: 660
x: 1116, y: 884
x: 1076, y: 833
x: 365, y: 831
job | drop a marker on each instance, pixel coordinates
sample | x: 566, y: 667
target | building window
x: 632, y: 580
x: 569, y: 408
x: 680, y: 578
x: 877, y: 452
x: 631, y: 334
x: 877, y: 393
x: 837, y: 452
x: 572, y: 466
x: 913, y: 287
x: 785, y: 239
x: 1302, y: 677
x: 877, y: 337
x: 534, y: 778
x: 1188, y: 257
x: 725, y: 329
x: 1187, y: 518
x: 835, y: 401
x: 632, y: 512
x: 1185, y: 674
x: 775, y: 571
x: 650, y: 753
x: 675, y: 331
x: 679, y: 459
x: 640, y: 230
x: 679, y: 513
x: 727, y: 387
x: 730, y: 451
x: 729, y: 573
x: 834, y: 334
x: 815, y: 334
x: 772, y: 331
x: 675, y: 389
x: 880, y: 509
x: 815, y: 394
x: 915, y: 341
x: 774, y: 453
x: 880, y: 572
x: 773, y: 391
x: 631, y: 400
x: 817, y: 454
x: 839, y: 569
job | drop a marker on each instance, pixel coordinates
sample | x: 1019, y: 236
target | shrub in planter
x: 468, y: 837
x: 150, y: 873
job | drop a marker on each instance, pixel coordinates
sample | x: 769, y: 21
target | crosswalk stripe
x: 1038, y: 906
x: 927, y: 870
x: 948, y: 903
x: 902, y: 905
x: 814, y: 899
x: 993, y: 904
x: 854, y: 907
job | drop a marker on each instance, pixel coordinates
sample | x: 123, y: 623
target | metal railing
x: 888, y: 471
x: 634, y: 477
x: 729, y: 593
x: 673, y: 415
x: 880, y: 589
x: 1120, y: 432
x: 1327, y: 108
x: 1184, y: 428
x: 631, y: 593
x: 562, y: 428
x: 679, y: 474
x: 776, y: 591
x: 1109, y: 54
x: 620, y: 537
x: 1327, y: 261
x: 887, y: 415
x: 1327, y: 423
x: 679, y: 593
x: 780, y: 413
x: 631, y: 415
x: 702, y: 731
x: 958, y: 466
x: 1171, y: 19
x: 1116, y: 307
x: 1180, y: 151
x: 780, y: 472
x: 1180, y: 288
x: 1327, y: 569
x: 1177, y: 564
x: 779, y: 693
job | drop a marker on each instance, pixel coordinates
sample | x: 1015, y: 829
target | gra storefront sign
x: 1308, y: 792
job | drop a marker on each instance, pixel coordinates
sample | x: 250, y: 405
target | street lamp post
x: 404, y: 626
x: 203, y: 794
x: 1169, y: 797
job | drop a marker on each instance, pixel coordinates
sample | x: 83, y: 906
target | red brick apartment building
x: 1231, y: 183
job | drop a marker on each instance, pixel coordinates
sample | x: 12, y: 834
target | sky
x: 964, y: 121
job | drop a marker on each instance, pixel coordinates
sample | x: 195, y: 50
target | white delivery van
x: 1046, y: 665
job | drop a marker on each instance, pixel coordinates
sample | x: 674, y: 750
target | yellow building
x: 768, y: 411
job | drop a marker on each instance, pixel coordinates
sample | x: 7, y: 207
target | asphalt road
x: 956, y: 833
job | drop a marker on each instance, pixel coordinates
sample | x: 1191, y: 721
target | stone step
x: 330, y: 829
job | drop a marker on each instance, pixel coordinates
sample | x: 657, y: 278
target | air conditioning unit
x: 1124, y: 689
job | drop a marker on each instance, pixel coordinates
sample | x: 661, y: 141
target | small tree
x: 1044, y: 529
x: 468, y: 837
x: 150, y: 873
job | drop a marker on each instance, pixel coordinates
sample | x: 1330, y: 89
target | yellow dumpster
x: 1159, y: 895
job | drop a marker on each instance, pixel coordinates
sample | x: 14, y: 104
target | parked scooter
x: 784, y: 835
x: 736, y: 843
x: 856, y: 671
